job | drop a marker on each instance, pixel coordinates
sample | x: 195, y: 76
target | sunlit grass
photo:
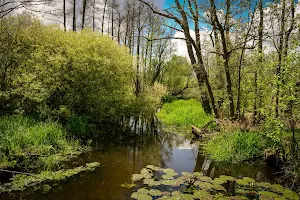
x: 183, y: 114
x: 235, y: 147
x: 24, y: 137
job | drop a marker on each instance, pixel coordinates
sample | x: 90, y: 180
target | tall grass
x: 236, y: 146
x: 23, y: 137
x: 184, y: 113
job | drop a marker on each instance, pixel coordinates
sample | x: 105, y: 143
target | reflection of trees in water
x: 151, y: 145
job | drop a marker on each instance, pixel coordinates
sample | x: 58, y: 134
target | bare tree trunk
x: 83, y: 13
x: 112, y: 19
x: 226, y: 54
x: 94, y: 10
x: 260, y: 60
x: 65, y: 17
x: 103, y: 16
x: 74, y: 15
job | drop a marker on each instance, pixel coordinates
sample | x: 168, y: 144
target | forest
x: 89, y: 86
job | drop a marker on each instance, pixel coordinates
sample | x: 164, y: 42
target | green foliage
x: 21, y: 182
x: 183, y: 114
x: 63, y: 73
x: 24, y: 141
x: 236, y: 146
x: 191, y: 186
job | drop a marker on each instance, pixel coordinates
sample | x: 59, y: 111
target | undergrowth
x: 184, y: 113
x: 235, y: 147
x: 29, y: 143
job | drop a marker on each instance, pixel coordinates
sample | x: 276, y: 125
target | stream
x: 122, y: 154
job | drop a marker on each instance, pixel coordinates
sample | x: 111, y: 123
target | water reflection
x: 123, y: 153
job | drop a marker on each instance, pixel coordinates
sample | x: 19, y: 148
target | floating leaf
x: 266, y: 194
x: 198, y: 174
x: 219, y: 188
x: 176, y: 193
x: 242, y: 182
x: 227, y: 178
x: 202, y: 194
x: 167, y: 176
x: 263, y: 184
x: 128, y: 185
x: 205, y: 178
x: 155, y: 193
x: 135, y: 195
x: 144, y: 197
x: 143, y: 191
x: 170, y: 172
x: 290, y: 194
x: 137, y: 177
x: 203, y: 185
x: 218, y: 181
x: 187, y: 174
x: 277, y: 188
x: 249, y: 180
x: 154, y: 168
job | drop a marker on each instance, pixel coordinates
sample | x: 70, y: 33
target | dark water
x: 120, y: 156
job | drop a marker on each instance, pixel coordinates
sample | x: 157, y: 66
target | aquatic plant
x: 22, y: 182
x: 197, y: 186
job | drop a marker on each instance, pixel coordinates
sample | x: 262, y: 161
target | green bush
x: 183, y: 114
x: 235, y: 147
x: 22, y: 137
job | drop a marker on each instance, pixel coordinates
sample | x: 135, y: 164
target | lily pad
x: 218, y: 181
x: 187, y: 174
x: 277, y: 188
x: 137, y: 177
x: 154, y: 168
x: 167, y: 176
x: 219, y: 188
x: 128, y: 185
x: 170, y: 172
x: 144, y: 197
x: 249, y: 180
x: 263, y: 184
x: 290, y: 194
x: 143, y: 191
x: 203, y: 185
x: 198, y: 174
x: 205, y: 178
x: 242, y: 182
x: 227, y: 178
x: 135, y: 195
x: 266, y: 194
x: 155, y: 193
x: 202, y: 194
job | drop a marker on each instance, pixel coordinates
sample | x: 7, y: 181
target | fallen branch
x: 198, y: 132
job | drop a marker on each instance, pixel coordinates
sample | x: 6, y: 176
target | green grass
x: 235, y: 147
x: 26, y: 142
x: 183, y: 114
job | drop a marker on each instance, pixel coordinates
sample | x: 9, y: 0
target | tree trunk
x: 65, y: 17
x: 74, y: 15
x: 83, y: 13
x: 103, y: 17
